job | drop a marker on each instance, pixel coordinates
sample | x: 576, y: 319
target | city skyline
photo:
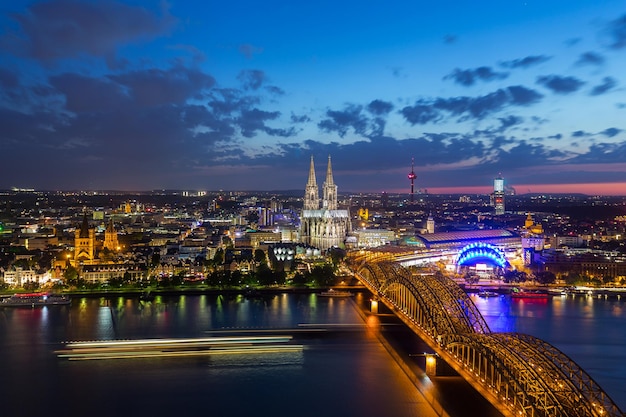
x: 142, y: 95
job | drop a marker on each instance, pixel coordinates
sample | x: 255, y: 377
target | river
x: 340, y: 371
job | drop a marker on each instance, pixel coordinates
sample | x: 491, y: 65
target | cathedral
x: 323, y: 225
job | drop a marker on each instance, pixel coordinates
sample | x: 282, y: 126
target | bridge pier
x: 431, y: 364
x: 374, y: 305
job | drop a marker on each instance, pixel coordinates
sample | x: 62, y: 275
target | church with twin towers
x: 323, y: 225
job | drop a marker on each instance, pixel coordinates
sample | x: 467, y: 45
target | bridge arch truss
x: 520, y: 374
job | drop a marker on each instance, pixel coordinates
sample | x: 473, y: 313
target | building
x: 323, y: 225
x: 604, y: 265
x: 371, y: 238
x: 533, y: 241
x: 105, y: 272
x: 84, y: 244
x: 430, y: 224
x: 498, y: 195
x: 503, y: 238
x: 576, y: 241
x: 110, y: 238
x: 18, y: 276
x: 259, y: 237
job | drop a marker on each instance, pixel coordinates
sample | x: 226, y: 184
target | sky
x: 213, y: 95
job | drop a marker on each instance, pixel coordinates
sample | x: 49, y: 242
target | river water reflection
x: 336, y: 373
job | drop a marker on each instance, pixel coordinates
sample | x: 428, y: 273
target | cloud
x: 421, y: 113
x: 173, y: 119
x: 251, y: 79
x: 603, y: 153
x: 8, y: 79
x: 608, y: 83
x: 559, y: 84
x: 277, y: 91
x: 469, y: 77
x: 611, y: 131
x: 572, y: 41
x: 253, y: 120
x: 616, y: 30
x: 398, y: 72
x: 68, y: 28
x: 197, y: 56
x: 509, y: 121
x: 153, y: 87
x: 299, y: 118
x: 380, y: 153
x: 84, y: 94
x: 379, y: 107
x: 234, y: 110
x: 340, y: 121
x: 526, y: 62
x: 225, y: 101
x: 441, y: 159
x: 590, y: 58
x: 427, y: 111
x: 145, y: 88
x: 523, y: 155
x: 249, y: 50
x: 580, y: 134
x: 450, y: 39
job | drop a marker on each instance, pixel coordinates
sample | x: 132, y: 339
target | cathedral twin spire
x: 311, y: 194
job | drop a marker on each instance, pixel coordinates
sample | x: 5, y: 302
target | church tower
x: 311, y: 192
x: 430, y: 224
x: 110, y: 237
x: 330, y: 189
x: 84, y: 243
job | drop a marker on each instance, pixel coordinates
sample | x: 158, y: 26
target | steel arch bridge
x: 519, y: 374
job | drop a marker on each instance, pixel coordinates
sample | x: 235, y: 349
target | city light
x: 475, y: 252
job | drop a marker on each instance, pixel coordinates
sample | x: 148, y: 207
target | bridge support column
x: 431, y: 364
x: 374, y: 305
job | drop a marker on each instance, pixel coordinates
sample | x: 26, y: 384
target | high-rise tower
x: 412, y: 177
x: 498, y: 194
x: 330, y: 189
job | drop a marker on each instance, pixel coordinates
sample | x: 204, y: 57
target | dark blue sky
x: 141, y: 95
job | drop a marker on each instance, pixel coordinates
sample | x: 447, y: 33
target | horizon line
x: 441, y: 192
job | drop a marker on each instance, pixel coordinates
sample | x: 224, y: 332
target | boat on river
x: 335, y: 293
x: 488, y: 294
x: 35, y: 299
x: 530, y: 294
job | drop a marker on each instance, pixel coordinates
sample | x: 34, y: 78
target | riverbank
x: 499, y: 288
x: 507, y: 288
x: 191, y: 290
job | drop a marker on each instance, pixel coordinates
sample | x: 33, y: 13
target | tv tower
x: 412, y: 177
